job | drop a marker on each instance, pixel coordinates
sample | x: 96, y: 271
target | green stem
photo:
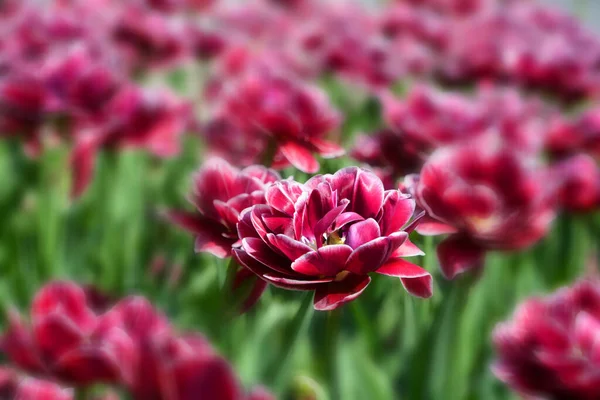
x: 293, y: 332
x: 332, y: 334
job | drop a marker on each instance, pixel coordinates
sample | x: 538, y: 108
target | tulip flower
x: 488, y: 196
x: 578, y: 179
x: 221, y: 192
x: 293, y: 116
x: 550, y: 347
x: 68, y: 340
x: 329, y: 234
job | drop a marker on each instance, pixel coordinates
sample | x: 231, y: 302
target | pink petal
x: 396, y: 211
x: 331, y: 296
x: 300, y: 157
x: 326, y: 261
x: 87, y: 365
x: 362, y: 232
x: 19, y: 345
x: 457, y: 255
x: 370, y: 256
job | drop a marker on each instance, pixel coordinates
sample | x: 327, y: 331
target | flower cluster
x: 550, y: 347
x: 77, y: 342
x: 62, y: 79
x: 429, y: 119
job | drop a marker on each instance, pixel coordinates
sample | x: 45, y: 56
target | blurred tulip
x: 492, y: 196
x: 221, y: 192
x: 68, y: 340
x: 550, y: 347
x: 327, y: 235
x: 293, y: 116
x: 579, y: 183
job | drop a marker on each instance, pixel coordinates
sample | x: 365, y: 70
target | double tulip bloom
x: 329, y: 234
x: 551, y: 348
x: 131, y: 344
x: 292, y: 118
x: 487, y: 197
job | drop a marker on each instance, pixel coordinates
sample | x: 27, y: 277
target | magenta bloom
x: 550, y: 348
x: 489, y: 195
x: 68, y: 340
x: 578, y: 179
x: 294, y: 117
x: 582, y: 134
x: 171, y: 366
x: 327, y: 235
x: 221, y: 192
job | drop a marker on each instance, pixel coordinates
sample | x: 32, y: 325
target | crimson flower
x: 68, y: 340
x: 578, y: 179
x: 221, y: 192
x: 550, y: 348
x: 327, y: 235
x: 171, y: 366
x: 293, y: 116
x: 582, y: 134
x: 488, y: 196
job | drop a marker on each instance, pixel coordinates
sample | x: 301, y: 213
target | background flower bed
x: 384, y: 345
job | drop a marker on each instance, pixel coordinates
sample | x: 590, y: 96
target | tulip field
x: 298, y: 199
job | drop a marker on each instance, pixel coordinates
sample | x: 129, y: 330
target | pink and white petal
x: 326, y: 261
x: 264, y: 254
x: 283, y: 195
x: 328, y: 149
x: 364, y: 189
x: 213, y: 243
x: 300, y: 157
x: 457, y: 254
x: 291, y: 248
x: 331, y: 296
x: 327, y: 221
x: 416, y: 280
x: 431, y: 227
x: 408, y: 249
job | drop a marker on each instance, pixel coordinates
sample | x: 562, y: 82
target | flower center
x: 333, y: 238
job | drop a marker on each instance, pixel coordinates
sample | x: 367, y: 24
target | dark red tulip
x: 23, y: 108
x: 578, y: 179
x: 149, y: 38
x: 68, y: 340
x: 171, y: 366
x: 221, y: 192
x: 550, y: 347
x: 581, y: 134
x: 493, y: 197
x: 327, y: 235
x: 294, y: 117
